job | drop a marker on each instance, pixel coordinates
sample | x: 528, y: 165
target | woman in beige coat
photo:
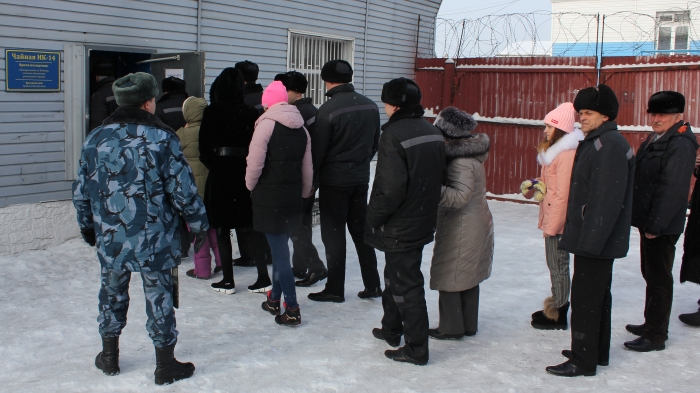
x: 463, y: 253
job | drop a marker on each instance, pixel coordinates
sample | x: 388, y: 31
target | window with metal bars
x: 308, y: 52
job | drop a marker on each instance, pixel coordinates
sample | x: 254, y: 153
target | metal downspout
x: 364, y: 50
x: 199, y: 24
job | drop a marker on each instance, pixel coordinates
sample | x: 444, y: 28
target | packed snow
x: 49, y: 338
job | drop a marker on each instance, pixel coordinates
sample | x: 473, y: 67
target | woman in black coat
x: 690, y: 268
x: 224, y: 136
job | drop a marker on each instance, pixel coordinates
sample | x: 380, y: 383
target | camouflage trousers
x: 114, y: 304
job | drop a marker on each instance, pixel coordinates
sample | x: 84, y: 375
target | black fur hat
x: 600, y: 99
x: 294, y: 81
x: 228, y: 86
x: 249, y: 69
x: 666, y: 101
x: 455, y: 123
x: 172, y: 83
x: 337, y: 71
x: 104, y: 67
x: 134, y: 89
x: 401, y: 92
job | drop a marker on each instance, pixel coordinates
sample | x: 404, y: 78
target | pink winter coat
x: 557, y: 163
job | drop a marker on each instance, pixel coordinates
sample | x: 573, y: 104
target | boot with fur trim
x: 551, y: 318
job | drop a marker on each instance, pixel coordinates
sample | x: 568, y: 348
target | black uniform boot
x: 168, y: 369
x: 551, y: 318
x: 108, y: 359
x: 691, y: 319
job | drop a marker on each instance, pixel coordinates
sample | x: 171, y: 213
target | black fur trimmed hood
x: 473, y: 146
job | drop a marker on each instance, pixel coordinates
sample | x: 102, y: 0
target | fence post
x: 448, y: 80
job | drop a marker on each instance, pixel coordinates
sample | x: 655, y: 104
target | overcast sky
x: 461, y: 9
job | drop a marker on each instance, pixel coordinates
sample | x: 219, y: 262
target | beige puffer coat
x: 463, y: 253
x: 192, y: 110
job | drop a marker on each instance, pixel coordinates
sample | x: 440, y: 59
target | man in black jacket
x: 102, y: 102
x: 306, y: 264
x: 402, y: 216
x: 665, y: 163
x: 345, y: 139
x: 169, y: 106
x: 253, y: 90
x: 597, y: 228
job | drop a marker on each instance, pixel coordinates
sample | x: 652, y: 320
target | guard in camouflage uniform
x: 133, y: 184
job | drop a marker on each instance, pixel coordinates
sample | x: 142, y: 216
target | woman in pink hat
x: 556, y: 156
x: 279, y: 175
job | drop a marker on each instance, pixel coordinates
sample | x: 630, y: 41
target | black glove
x: 89, y: 236
x: 199, y: 239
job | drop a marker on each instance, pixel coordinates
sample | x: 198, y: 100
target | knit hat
x: 134, y: 89
x: 401, y: 92
x: 172, y: 83
x: 666, y: 101
x: 455, y: 123
x: 249, y: 69
x: 562, y: 118
x: 337, y: 71
x: 274, y: 93
x: 600, y: 99
x: 294, y: 81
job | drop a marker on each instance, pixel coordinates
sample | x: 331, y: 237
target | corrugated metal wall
x: 32, y: 150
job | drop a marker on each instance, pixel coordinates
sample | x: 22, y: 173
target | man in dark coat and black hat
x: 665, y: 163
x: 102, y: 102
x: 169, y: 106
x: 597, y: 228
x: 402, y: 216
x: 690, y: 268
x: 253, y: 91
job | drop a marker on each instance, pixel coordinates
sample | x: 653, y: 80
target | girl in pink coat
x: 556, y: 156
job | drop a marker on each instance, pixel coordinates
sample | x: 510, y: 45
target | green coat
x: 189, y: 139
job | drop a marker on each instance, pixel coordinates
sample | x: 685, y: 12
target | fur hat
x: 337, y: 71
x: 600, y: 99
x: 294, y: 81
x: 666, y: 101
x: 455, y: 123
x: 249, y: 69
x: 274, y: 93
x: 563, y: 117
x: 172, y: 83
x: 228, y: 86
x: 401, y: 92
x: 134, y: 89
x: 103, y: 67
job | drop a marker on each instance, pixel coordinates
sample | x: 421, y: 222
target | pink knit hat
x: 274, y: 93
x: 562, y: 118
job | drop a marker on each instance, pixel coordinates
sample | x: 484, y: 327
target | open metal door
x: 188, y: 66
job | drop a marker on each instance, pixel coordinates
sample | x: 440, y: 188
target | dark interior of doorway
x: 125, y: 63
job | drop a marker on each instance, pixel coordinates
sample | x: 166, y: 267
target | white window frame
x: 685, y: 22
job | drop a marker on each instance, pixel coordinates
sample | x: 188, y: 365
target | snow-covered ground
x: 49, y: 338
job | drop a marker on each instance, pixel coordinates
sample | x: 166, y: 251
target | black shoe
x: 168, y: 369
x: 469, y: 334
x: 641, y: 344
x: 312, y: 278
x: 224, y: 286
x: 217, y: 269
x: 324, y: 296
x: 271, y: 306
x: 568, y: 354
x: 399, y: 355
x: 568, y: 369
x: 260, y: 286
x: 245, y: 262
x: 393, y: 341
x: 637, y: 330
x: 543, y: 319
x: 289, y: 318
x: 108, y: 359
x: 434, y: 333
x: 191, y: 273
x: 691, y: 319
x: 370, y: 293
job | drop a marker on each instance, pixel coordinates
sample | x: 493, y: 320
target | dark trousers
x: 403, y: 300
x: 184, y: 239
x: 341, y: 207
x: 282, y: 277
x: 305, y: 257
x: 459, y: 312
x: 591, y: 306
x: 250, y: 242
x: 657, y: 265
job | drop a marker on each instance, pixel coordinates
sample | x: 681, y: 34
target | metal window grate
x: 308, y: 53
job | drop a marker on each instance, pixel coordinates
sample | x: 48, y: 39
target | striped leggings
x: 558, y: 264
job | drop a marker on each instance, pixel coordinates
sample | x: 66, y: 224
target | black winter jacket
x: 411, y: 166
x: 102, y: 102
x: 169, y: 109
x: 253, y: 97
x: 662, y: 181
x: 308, y: 111
x: 599, y: 211
x: 690, y: 268
x: 345, y: 138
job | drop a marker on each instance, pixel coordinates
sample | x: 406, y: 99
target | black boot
x: 392, y: 340
x: 637, y: 330
x: 289, y: 318
x: 312, y: 278
x: 400, y: 355
x: 568, y: 369
x: 271, y: 306
x: 551, y: 318
x: 691, y: 319
x: 168, y: 369
x: 108, y: 359
x: 370, y: 293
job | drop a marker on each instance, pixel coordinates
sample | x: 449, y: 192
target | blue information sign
x: 30, y: 70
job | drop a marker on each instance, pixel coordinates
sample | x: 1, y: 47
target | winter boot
x: 551, y: 318
x: 224, y: 286
x: 108, y: 359
x: 401, y: 355
x: 262, y: 285
x: 691, y: 319
x: 271, y: 306
x: 369, y: 293
x: 291, y: 317
x: 168, y: 369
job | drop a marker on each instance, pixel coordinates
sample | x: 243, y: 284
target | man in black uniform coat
x: 665, y: 163
x: 306, y: 264
x: 102, y: 102
x: 253, y: 90
x: 345, y: 139
x: 597, y: 228
x: 402, y: 216
x: 690, y: 267
x: 169, y: 106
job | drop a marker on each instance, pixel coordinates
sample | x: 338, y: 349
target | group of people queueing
x: 591, y: 190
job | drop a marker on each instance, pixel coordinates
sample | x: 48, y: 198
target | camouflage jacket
x: 133, y: 183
